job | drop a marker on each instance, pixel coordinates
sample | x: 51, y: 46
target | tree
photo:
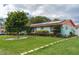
x: 56, y: 19
x: 39, y: 19
x: 16, y: 22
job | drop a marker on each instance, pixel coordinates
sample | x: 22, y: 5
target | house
x: 64, y: 28
x: 68, y: 28
x: 77, y: 30
x: 2, y: 30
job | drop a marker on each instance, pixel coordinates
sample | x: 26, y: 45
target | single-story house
x: 64, y: 28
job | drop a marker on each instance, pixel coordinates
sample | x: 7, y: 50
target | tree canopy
x: 56, y: 19
x: 16, y: 21
x: 39, y: 19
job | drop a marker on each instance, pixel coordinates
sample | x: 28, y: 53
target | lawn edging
x: 44, y: 46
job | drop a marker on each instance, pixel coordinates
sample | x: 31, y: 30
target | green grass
x: 6, y: 36
x: 18, y: 46
x: 14, y: 47
x: 70, y: 47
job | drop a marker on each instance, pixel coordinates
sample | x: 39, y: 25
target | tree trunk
x: 18, y: 35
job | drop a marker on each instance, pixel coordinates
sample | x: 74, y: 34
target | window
x: 66, y: 27
x: 42, y: 27
x: 51, y: 28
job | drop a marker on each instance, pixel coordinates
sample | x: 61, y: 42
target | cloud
x: 5, y: 9
x: 50, y: 10
x: 38, y: 11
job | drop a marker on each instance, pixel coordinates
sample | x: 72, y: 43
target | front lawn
x: 69, y: 47
x: 6, y: 36
x: 23, y: 45
x: 13, y: 47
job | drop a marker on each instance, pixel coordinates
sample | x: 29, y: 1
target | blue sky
x: 62, y: 11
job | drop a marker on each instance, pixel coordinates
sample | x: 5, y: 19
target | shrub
x: 29, y: 29
x: 42, y: 31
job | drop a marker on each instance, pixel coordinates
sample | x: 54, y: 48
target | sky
x: 62, y: 11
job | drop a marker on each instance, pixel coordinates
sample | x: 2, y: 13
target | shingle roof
x: 69, y: 22
x: 45, y: 24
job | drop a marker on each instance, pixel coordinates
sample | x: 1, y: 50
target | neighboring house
x: 2, y: 30
x: 77, y: 30
x: 66, y: 27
